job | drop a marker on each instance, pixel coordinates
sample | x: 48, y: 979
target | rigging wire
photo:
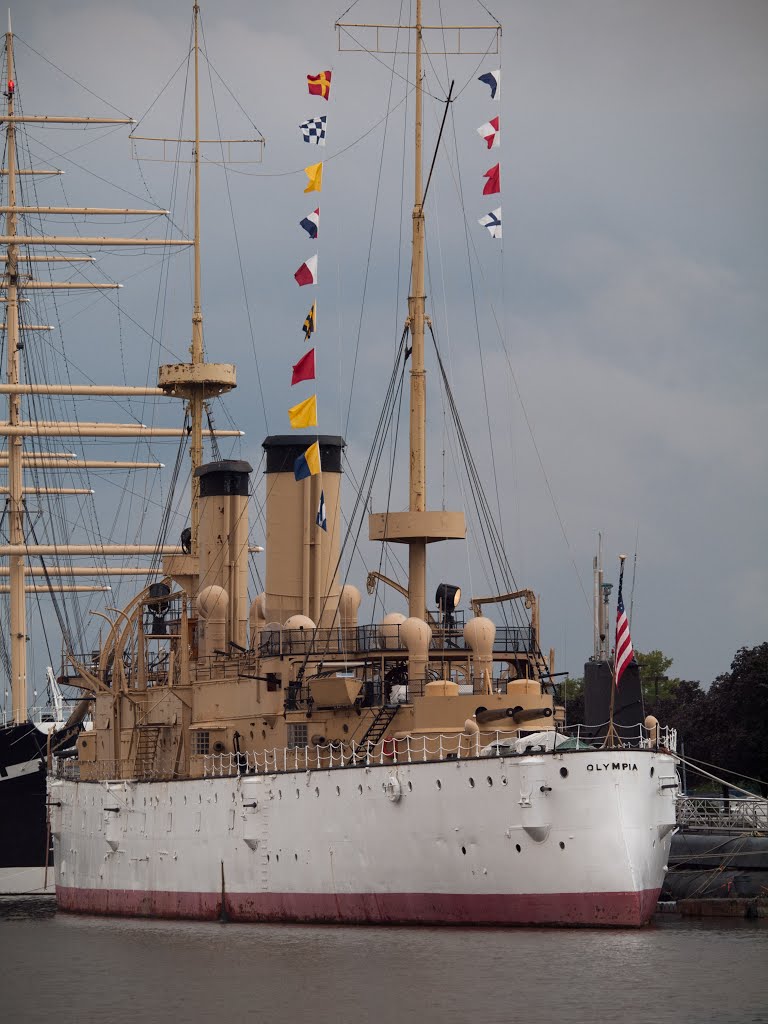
x: 237, y: 245
x: 370, y: 247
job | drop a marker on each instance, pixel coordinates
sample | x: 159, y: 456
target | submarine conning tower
x: 223, y: 549
x: 302, y: 559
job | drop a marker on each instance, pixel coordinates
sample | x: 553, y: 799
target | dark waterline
x: 57, y: 967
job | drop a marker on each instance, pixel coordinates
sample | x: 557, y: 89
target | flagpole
x: 612, y: 739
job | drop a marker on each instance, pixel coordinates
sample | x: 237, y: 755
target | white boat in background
x: 267, y: 757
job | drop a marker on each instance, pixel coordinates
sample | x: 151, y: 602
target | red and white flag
x: 307, y: 272
x: 624, y: 653
x: 490, y: 132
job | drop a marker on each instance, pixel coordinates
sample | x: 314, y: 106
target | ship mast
x: 196, y: 349
x: 417, y: 553
x: 15, y: 506
x: 417, y: 527
x: 12, y: 285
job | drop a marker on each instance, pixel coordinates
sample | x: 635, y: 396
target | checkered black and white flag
x: 313, y: 130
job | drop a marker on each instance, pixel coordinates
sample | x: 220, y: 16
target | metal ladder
x: 146, y: 750
x: 379, y: 725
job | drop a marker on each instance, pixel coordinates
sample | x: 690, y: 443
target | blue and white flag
x: 311, y: 223
x: 313, y: 130
x: 492, y: 221
x: 492, y: 79
x: 320, y: 517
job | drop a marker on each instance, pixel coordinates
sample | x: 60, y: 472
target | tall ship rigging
x: 268, y: 757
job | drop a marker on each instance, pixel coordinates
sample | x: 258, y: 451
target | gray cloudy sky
x: 631, y: 287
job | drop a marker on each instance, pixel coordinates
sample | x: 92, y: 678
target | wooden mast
x: 196, y: 399
x: 15, y: 505
x: 15, y: 429
x: 417, y: 551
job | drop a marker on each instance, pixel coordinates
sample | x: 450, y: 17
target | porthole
x: 562, y: 846
x: 464, y: 850
x: 489, y: 780
x: 345, y: 728
x: 503, y: 780
x: 471, y: 783
x: 564, y: 773
x: 439, y: 784
x: 518, y: 847
x: 360, y: 790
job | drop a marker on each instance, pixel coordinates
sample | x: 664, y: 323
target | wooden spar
x: 85, y: 570
x: 90, y: 430
x: 96, y: 550
x: 77, y: 389
x: 85, y: 211
x: 53, y: 463
x: 84, y: 240
x: 59, y: 588
x: 12, y: 119
x: 61, y: 285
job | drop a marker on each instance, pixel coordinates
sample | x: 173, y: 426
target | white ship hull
x: 577, y: 838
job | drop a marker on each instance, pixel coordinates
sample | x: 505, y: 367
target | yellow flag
x: 304, y: 414
x: 315, y: 174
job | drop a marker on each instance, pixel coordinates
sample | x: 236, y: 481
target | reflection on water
x: 131, y: 970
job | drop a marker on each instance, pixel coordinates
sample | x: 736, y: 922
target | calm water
x: 61, y: 968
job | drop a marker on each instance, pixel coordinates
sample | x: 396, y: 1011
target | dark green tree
x: 737, y: 711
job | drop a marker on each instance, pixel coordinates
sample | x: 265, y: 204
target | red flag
x: 493, y: 184
x: 319, y: 84
x: 305, y: 368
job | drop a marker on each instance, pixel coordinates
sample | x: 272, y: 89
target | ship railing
x: 740, y: 814
x: 399, y: 750
x: 632, y: 737
x: 374, y: 638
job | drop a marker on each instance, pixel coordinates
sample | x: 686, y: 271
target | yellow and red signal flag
x: 305, y: 368
x: 319, y: 84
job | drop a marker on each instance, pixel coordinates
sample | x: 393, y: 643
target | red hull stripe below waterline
x: 614, y: 909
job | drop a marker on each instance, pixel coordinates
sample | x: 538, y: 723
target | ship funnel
x: 223, y: 539
x: 302, y: 558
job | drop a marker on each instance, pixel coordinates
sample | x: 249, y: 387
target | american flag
x: 624, y: 653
